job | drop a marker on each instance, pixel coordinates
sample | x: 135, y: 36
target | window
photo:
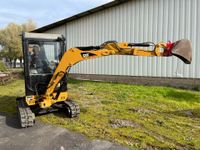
x: 43, y: 57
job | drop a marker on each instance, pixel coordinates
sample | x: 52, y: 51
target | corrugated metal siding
x: 138, y: 21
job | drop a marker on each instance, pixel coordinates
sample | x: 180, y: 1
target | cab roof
x: 45, y: 36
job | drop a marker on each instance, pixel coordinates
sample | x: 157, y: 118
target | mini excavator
x: 46, y: 64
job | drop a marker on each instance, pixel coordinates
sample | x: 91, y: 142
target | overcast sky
x: 43, y: 12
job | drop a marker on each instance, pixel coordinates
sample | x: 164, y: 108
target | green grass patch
x: 137, y: 116
x: 8, y: 95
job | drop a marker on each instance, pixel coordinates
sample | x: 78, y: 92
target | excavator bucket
x: 183, y: 50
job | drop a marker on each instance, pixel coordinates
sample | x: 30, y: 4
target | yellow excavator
x: 47, y: 63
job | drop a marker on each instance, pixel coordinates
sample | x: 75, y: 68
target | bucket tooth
x: 183, y: 50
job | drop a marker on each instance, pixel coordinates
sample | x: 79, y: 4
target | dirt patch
x: 119, y: 123
x: 142, y: 110
x: 189, y: 113
x: 5, y: 78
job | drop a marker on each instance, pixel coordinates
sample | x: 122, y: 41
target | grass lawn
x: 137, y: 116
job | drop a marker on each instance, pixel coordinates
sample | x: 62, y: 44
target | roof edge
x: 80, y: 15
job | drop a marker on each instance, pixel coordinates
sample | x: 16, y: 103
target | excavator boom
x: 182, y: 49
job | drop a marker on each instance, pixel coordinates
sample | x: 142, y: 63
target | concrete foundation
x: 185, y: 83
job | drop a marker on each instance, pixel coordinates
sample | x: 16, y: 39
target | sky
x: 43, y: 12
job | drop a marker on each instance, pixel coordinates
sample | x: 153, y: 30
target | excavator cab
x: 42, y: 53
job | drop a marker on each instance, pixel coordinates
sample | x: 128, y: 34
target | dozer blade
x: 183, y: 50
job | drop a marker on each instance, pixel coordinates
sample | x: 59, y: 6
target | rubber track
x: 75, y: 110
x: 27, y: 118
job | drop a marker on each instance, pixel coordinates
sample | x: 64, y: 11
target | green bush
x: 2, y: 67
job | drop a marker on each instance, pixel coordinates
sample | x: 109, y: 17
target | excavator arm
x: 181, y: 49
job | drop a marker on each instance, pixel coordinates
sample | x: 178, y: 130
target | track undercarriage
x: 27, y: 114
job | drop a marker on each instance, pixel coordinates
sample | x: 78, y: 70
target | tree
x: 30, y: 25
x: 10, y: 41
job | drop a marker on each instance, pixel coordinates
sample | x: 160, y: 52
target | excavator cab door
x: 41, y: 53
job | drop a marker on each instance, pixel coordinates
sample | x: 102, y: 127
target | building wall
x: 138, y: 21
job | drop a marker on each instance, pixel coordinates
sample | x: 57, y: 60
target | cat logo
x: 85, y: 55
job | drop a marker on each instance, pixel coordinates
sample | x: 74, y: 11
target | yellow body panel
x: 46, y: 101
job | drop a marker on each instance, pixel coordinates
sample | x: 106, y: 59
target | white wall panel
x: 138, y: 21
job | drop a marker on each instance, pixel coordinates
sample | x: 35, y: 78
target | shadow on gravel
x: 8, y: 110
x: 8, y: 103
x: 11, y: 120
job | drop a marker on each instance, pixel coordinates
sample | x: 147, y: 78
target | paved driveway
x: 46, y: 137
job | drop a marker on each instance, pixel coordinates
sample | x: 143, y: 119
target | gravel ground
x: 46, y: 137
